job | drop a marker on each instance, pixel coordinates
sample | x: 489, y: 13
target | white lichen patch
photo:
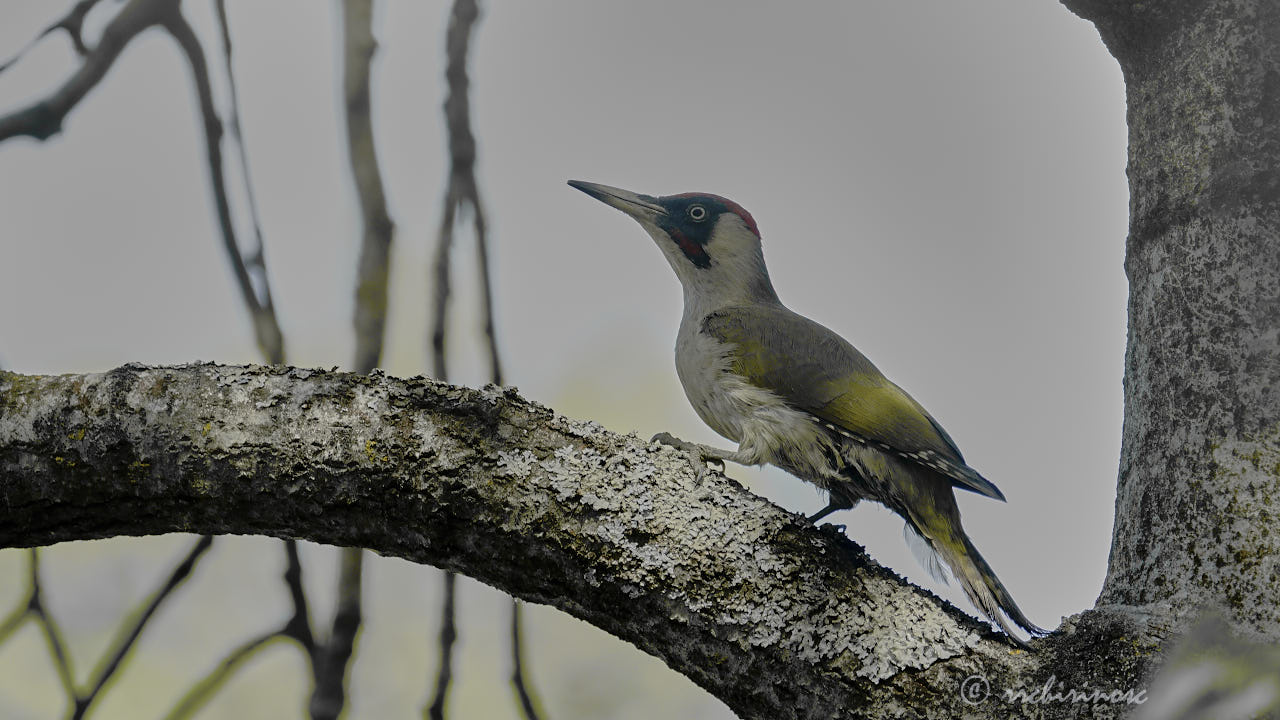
x: 429, y: 441
x: 582, y: 429
x: 370, y: 399
x: 887, y: 631
x: 580, y: 472
x: 515, y: 464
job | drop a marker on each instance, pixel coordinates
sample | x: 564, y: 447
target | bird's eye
x: 697, y: 213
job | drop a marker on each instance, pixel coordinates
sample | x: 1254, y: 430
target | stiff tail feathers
x: 976, y: 578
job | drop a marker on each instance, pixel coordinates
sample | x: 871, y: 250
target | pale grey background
x: 940, y: 182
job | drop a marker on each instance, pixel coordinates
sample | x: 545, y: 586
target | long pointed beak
x: 640, y: 207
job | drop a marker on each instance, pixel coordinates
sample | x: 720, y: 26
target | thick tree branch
x: 771, y: 615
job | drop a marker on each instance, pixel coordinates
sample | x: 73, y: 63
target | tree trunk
x: 1199, y: 487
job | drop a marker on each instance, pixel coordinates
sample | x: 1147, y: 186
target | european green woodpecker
x: 794, y: 394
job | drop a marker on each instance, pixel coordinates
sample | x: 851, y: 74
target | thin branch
x: 298, y: 626
x: 440, y: 304
x: 44, y: 118
x: 256, y: 260
x: 296, y: 629
x: 371, y: 282
x: 22, y: 611
x: 528, y: 705
x: 448, y: 636
x: 261, y: 310
x: 460, y: 189
x: 52, y: 633
x: 125, y: 640
x: 486, y: 288
x: 72, y: 22
x: 195, y: 698
x: 13, y: 621
x: 330, y: 671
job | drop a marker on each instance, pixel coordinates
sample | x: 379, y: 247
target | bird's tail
x: 980, y: 583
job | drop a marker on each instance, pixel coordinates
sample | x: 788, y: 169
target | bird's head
x: 711, y: 242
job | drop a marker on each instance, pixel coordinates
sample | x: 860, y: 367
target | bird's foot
x: 839, y: 528
x: 700, y: 456
x: 831, y: 507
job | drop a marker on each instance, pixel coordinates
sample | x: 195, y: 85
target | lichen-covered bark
x: 775, y: 617
x: 1199, y: 487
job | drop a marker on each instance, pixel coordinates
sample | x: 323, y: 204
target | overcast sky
x: 942, y: 183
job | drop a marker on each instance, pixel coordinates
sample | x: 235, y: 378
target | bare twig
x: 448, y: 636
x: 125, y: 639
x: 440, y: 306
x: 486, y: 288
x: 14, y: 619
x: 460, y: 190
x: 44, y: 118
x: 257, y: 258
x: 297, y: 629
x: 371, y: 282
x: 261, y: 308
x: 298, y: 626
x: 79, y: 702
x: 72, y: 22
x: 52, y: 633
x: 330, y: 670
x: 524, y: 696
x: 195, y: 698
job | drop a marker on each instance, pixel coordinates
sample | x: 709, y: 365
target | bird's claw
x: 667, y: 438
x: 697, y: 454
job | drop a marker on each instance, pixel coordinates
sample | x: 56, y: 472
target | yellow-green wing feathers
x: 817, y: 371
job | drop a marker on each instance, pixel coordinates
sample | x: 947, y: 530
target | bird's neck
x: 711, y: 295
